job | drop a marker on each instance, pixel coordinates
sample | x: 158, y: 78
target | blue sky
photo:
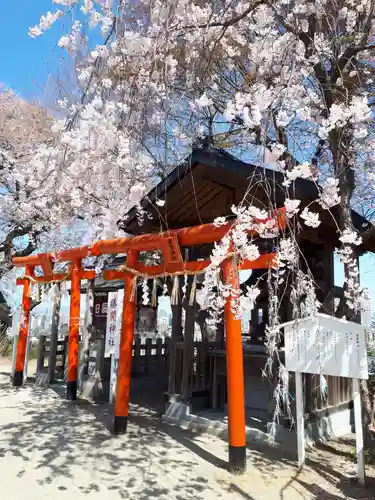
x: 367, y: 274
x: 26, y: 63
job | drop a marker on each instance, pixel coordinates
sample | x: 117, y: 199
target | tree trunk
x: 340, y: 147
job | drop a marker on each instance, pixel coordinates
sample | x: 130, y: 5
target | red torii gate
x: 169, y: 243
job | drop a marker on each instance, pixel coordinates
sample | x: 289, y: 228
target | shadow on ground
x: 61, y: 441
x: 68, y: 438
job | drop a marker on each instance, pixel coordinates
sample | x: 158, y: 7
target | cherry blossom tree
x: 289, y: 83
x: 25, y: 224
x: 24, y: 126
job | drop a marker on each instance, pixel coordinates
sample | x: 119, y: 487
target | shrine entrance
x: 169, y: 244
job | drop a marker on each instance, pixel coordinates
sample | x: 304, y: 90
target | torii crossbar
x: 169, y: 243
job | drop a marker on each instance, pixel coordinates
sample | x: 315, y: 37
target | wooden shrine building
x: 202, y: 188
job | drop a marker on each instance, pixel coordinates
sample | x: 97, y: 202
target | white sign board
x: 113, y: 330
x: 16, y: 319
x: 112, y: 338
x: 326, y: 345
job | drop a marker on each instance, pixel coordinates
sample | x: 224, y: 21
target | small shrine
x: 216, y: 369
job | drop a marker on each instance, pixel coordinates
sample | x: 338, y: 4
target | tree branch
x: 367, y: 236
x: 347, y: 56
x: 14, y: 233
x: 230, y: 22
x: 31, y: 247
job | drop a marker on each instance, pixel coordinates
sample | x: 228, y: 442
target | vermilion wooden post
x: 126, y: 350
x: 23, y: 330
x: 74, y: 323
x: 235, y: 378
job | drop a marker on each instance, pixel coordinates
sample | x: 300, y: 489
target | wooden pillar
x: 126, y: 350
x: 41, y: 354
x: 74, y: 323
x: 319, y: 258
x: 329, y: 301
x: 188, y: 342
x: 23, y: 330
x: 175, y: 337
x: 54, y: 335
x: 235, y: 377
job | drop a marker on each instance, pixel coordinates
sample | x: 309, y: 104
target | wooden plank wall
x: 149, y: 356
x: 339, y: 391
x: 199, y: 379
x: 44, y: 351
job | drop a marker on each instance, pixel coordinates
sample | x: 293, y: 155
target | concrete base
x: 120, y: 425
x: 216, y: 426
x: 42, y: 379
x: 215, y: 423
x: 334, y: 425
x: 17, y: 379
x: 71, y: 390
x: 177, y: 411
x: 94, y: 389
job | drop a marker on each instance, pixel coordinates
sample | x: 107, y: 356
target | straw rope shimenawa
x: 175, y: 289
x: 184, y: 272
x: 138, y: 274
x: 131, y: 271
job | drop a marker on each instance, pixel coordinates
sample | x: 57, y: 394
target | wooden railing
x: 44, y: 346
x: 199, y: 379
x: 150, y: 355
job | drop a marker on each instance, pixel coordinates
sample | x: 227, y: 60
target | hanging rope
x: 184, y: 272
x: 25, y: 277
x: 133, y: 289
x: 137, y: 273
x: 65, y: 279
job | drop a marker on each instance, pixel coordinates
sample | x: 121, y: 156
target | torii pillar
x: 23, y: 329
x: 74, y: 325
x: 126, y: 349
x: 235, y: 375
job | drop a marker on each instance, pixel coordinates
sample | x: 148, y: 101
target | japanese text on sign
x: 114, y: 314
x: 326, y: 345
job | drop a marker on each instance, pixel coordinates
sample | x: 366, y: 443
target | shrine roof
x: 209, y: 182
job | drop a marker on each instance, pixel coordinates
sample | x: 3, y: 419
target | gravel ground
x: 50, y: 448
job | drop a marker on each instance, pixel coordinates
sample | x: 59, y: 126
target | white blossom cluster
x: 131, y: 83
